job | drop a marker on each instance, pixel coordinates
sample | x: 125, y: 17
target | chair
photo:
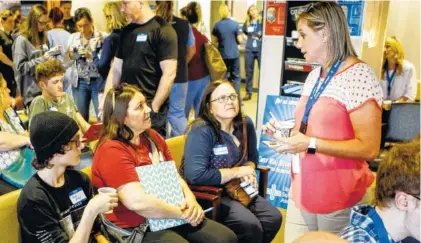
x: 176, y: 146
x: 403, y: 125
x: 9, y: 230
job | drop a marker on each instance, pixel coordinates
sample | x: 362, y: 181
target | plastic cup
x: 387, y: 105
x: 284, y: 129
x: 106, y: 190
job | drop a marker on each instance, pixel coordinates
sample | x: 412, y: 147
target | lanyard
x: 379, y: 226
x: 315, y: 94
x: 390, y: 80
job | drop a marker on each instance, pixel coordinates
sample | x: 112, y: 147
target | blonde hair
x: 224, y: 11
x: 397, y: 48
x: 331, y: 17
x: 117, y: 20
x: 2, y: 83
x: 30, y: 26
x: 248, y: 17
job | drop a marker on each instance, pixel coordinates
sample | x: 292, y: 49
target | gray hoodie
x: 25, y: 58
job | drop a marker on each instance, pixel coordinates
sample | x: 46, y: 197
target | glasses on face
x: 42, y: 23
x: 417, y: 197
x: 75, y: 141
x: 225, y: 98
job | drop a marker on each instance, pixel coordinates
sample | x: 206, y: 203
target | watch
x: 312, y: 146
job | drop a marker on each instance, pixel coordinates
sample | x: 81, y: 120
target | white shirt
x: 404, y: 84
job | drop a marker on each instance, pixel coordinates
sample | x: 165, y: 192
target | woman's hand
x: 104, y: 202
x: 269, y: 129
x: 293, y: 145
x: 250, y: 179
x: 192, y: 211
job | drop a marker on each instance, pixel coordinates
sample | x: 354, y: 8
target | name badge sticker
x: 141, y: 37
x: 52, y: 108
x: 250, y: 29
x: 77, y: 195
x: 220, y: 150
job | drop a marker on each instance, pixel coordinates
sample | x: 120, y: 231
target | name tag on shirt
x: 142, y: 37
x: 52, y: 108
x: 77, y: 195
x: 296, y: 168
x: 250, y: 29
x: 220, y: 150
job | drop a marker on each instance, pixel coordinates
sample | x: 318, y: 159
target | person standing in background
x: 399, y: 79
x: 29, y: 49
x: 58, y: 36
x: 186, y: 50
x: 147, y: 35
x: 115, y: 22
x: 227, y: 34
x: 198, y: 73
x: 6, y: 55
x: 69, y: 21
x: 252, y: 31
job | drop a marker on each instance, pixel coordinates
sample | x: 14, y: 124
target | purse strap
x: 243, y: 118
x: 155, y: 155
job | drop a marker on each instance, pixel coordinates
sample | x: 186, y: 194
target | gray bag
x: 116, y: 234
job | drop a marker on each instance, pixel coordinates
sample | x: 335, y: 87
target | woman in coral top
x: 337, y: 126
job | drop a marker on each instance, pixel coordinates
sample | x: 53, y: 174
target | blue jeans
x: 233, y: 72
x: 195, y: 91
x: 250, y: 56
x: 176, y: 115
x: 83, y: 94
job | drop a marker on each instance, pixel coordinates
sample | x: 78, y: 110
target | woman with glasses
x: 57, y: 204
x: 31, y: 48
x: 337, y: 126
x: 115, y: 22
x: 398, y: 80
x: 82, y: 48
x: 215, y: 144
x: 126, y: 142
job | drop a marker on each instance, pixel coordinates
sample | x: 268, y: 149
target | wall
x: 404, y: 22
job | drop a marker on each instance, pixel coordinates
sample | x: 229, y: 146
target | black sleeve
x: 245, y: 28
x: 215, y: 30
x: 39, y: 223
x: 167, y: 43
x: 253, y: 154
x: 119, y: 50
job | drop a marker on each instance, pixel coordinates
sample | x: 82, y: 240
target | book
x: 161, y: 180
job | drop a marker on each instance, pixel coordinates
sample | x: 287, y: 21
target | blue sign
x: 354, y: 10
x: 279, y: 179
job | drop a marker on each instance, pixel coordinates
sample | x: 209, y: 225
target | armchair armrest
x: 263, y: 180
x: 207, y: 189
x: 214, y: 200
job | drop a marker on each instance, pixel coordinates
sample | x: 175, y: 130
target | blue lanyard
x: 379, y: 226
x: 390, y: 80
x: 316, y: 92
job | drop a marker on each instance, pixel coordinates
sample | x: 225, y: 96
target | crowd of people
x: 149, y: 72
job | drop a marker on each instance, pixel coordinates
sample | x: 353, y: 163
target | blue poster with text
x: 279, y: 179
x: 353, y: 10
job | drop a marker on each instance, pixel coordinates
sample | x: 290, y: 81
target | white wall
x: 404, y: 22
x: 95, y: 7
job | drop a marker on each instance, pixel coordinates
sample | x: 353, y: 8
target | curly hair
x: 45, y: 71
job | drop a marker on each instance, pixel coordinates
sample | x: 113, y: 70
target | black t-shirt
x: 142, y: 47
x: 51, y: 215
x: 6, y: 42
x: 69, y: 25
x: 181, y: 27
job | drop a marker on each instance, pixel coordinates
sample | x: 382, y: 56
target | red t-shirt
x: 115, y: 165
x: 197, y: 65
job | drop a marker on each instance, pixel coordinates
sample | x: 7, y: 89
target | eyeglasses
x: 225, y: 98
x: 417, y: 197
x: 42, y: 23
x: 75, y: 141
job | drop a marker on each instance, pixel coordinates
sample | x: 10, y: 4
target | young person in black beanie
x: 57, y: 203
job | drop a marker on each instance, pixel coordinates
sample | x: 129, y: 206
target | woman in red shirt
x: 337, y: 126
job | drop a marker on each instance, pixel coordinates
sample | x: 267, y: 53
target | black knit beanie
x: 49, y: 131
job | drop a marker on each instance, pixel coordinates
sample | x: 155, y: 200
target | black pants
x: 208, y: 232
x: 259, y: 222
x: 160, y: 119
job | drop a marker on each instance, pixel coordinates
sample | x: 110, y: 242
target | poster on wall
x: 279, y: 178
x: 354, y: 10
x: 275, y: 17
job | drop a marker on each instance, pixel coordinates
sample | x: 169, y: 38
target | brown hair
x: 399, y: 171
x: 56, y: 15
x: 45, y: 71
x: 30, y: 27
x: 330, y: 15
x: 164, y: 10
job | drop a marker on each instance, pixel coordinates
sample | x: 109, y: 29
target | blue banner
x: 279, y: 181
x: 354, y: 11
